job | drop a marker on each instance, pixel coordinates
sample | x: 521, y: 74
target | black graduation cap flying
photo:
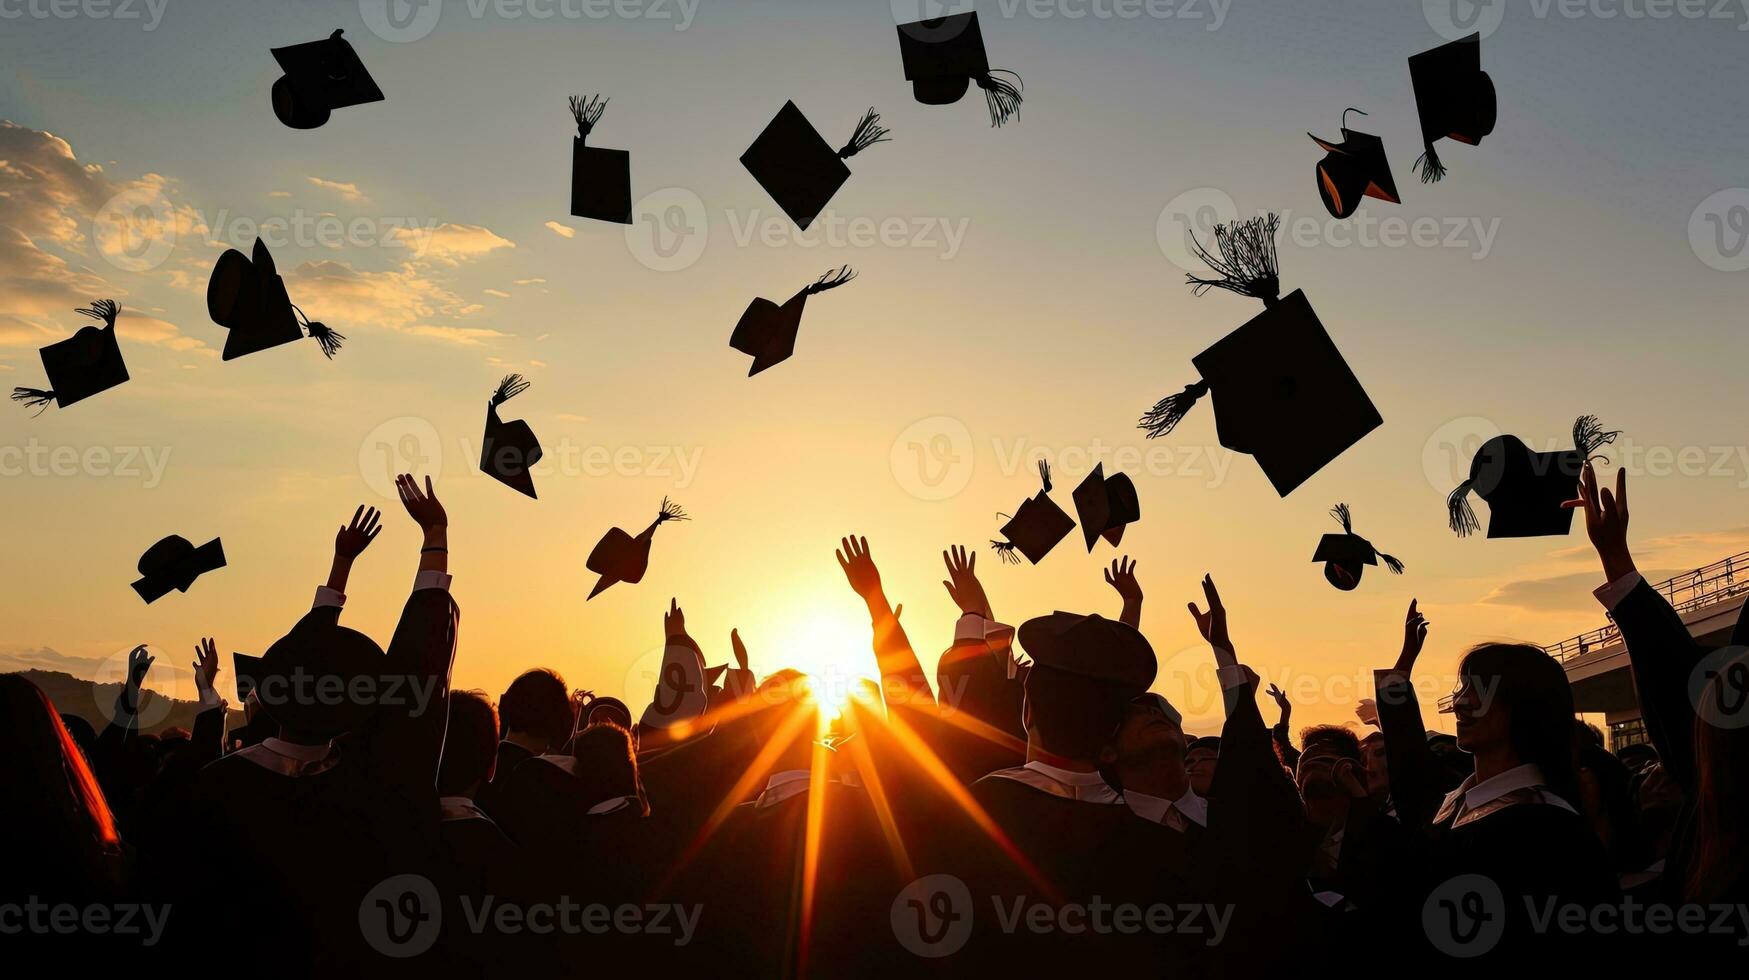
x: 320, y: 76
x: 1525, y: 488
x: 509, y: 449
x: 1282, y: 391
x: 943, y: 56
x: 1454, y: 97
x: 82, y: 365
x: 767, y: 331
x: 1346, y: 555
x: 619, y: 557
x: 1353, y: 169
x: 601, y: 179
x: 174, y: 563
x: 1036, y: 527
x: 1105, y: 506
x: 796, y: 165
x: 247, y: 296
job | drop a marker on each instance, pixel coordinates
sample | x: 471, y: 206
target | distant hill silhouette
x: 91, y: 701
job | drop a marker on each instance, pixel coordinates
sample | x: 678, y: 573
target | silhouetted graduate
x: 1346, y: 555
x: 619, y: 557
x: 767, y: 331
x: 509, y: 449
x: 1455, y: 99
x: 1524, y: 488
x: 80, y: 366
x: 174, y: 563
x: 798, y: 168
x: 1282, y: 391
x: 248, y: 296
x: 320, y: 76
x: 601, y: 179
x: 944, y: 55
x: 1036, y: 527
x: 1353, y: 169
x: 1104, y: 506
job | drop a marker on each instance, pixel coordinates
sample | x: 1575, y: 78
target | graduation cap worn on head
x: 601, y: 179
x: 174, y: 563
x: 82, y: 365
x: 1454, y: 97
x: 1525, y: 488
x: 247, y: 296
x: 1282, y: 391
x: 1104, y: 506
x: 767, y: 331
x: 619, y: 557
x: 317, y: 648
x: 320, y: 76
x: 943, y: 56
x: 1346, y: 555
x: 247, y: 672
x: 1091, y: 646
x: 1036, y: 527
x: 796, y: 165
x: 1353, y: 169
x: 509, y: 449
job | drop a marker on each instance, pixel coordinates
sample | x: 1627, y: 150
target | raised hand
x: 1606, y: 520
x: 353, y: 538
x: 673, y: 621
x: 423, y: 507
x: 1281, y: 701
x: 962, y: 582
x: 1213, y: 624
x: 1122, y: 577
x: 1414, y: 637
x: 139, y: 661
x: 206, y: 664
x: 739, y: 648
x: 859, y: 568
x: 1367, y: 710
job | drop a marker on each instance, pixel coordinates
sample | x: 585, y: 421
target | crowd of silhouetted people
x: 1045, y: 813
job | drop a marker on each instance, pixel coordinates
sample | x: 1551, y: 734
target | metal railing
x: 1712, y: 584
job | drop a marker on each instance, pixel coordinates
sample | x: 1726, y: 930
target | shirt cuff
x: 1611, y: 595
x: 431, y: 579
x: 328, y: 597
x: 209, y: 698
x: 1231, y: 676
x: 972, y: 626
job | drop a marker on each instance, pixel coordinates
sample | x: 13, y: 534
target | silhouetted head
x: 608, y: 711
x: 56, y: 810
x: 1515, y: 698
x: 1330, y: 757
x: 470, y: 745
x: 1149, y: 737
x: 538, y: 705
x: 1072, y: 716
x: 1200, y: 758
x: 607, y: 764
x: 1378, y: 774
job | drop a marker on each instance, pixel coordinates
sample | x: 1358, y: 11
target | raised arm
x: 1122, y: 577
x: 421, y: 655
x: 1408, y: 761
x: 1284, y: 743
x: 902, y: 677
x: 208, y: 738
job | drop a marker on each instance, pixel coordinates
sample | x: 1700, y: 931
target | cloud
x: 568, y: 417
x: 48, y: 658
x: 501, y: 294
x: 279, y: 193
x: 561, y: 230
x: 449, y: 244
x: 348, y: 192
x: 528, y: 282
x: 460, y: 336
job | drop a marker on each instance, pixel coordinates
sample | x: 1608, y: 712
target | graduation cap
x: 247, y: 296
x: 619, y: 557
x: 80, y: 366
x: 944, y: 55
x: 1353, y: 169
x: 1104, y: 506
x: 1345, y: 555
x: 1524, y: 488
x: 320, y: 76
x: 796, y: 165
x: 174, y: 563
x: 317, y: 648
x: 508, y: 449
x: 601, y: 179
x: 768, y: 331
x: 247, y: 671
x: 1092, y: 647
x: 1036, y: 527
x: 1455, y: 98
x: 1282, y: 391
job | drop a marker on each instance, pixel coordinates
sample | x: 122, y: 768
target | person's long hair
x: 1533, y: 688
x: 1719, y: 868
x: 57, y: 811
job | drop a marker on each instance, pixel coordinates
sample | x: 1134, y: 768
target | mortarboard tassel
x: 1393, y: 564
x: 509, y: 388
x: 832, y: 280
x: 1589, y: 436
x: 36, y: 398
x: 1002, y: 95
x: 1171, y: 410
x: 1462, y: 518
x: 670, y: 511
x: 325, y: 336
x: 1005, y: 549
x: 1044, y: 474
x: 1247, y: 263
x: 40, y: 398
x: 103, y: 309
x: 868, y: 132
x: 1432, y: 171
x: 1343, y: 516
x: 587, y: 112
